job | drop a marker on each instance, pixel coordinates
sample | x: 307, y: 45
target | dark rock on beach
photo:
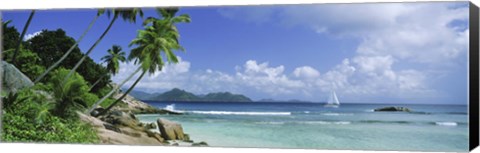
x: 200, y: 144
x: 164, y: 111
x: 392, y: 109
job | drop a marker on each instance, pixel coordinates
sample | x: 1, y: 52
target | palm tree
x: 129, y: 15
x: 160, y: 36
x: 68, y: 95
x: 115, y: 54
x: 39, y: 78
x: 22, y: 35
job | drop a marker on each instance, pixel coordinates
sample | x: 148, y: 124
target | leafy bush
x: 20, y: 128
x: 90, y: 99
x: 27, y: 118
x: 69, y: 93
x: 103, y: 91
x: 10, y: 35
x: 27, y: 62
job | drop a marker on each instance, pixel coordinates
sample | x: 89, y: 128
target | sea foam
x: 446, y: 123
x: 326, y: 122
x: 337, y: 114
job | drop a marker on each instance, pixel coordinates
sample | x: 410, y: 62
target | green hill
x: 175, y: 95
x: 182, y: 95
x: 225, y: 96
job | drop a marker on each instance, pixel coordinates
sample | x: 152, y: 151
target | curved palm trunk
x: 22, y: 35
x: 96, y: 82
x: 124, y: 94
x: 90, y: 50
x: 67, y: 53
x: 112, y: 91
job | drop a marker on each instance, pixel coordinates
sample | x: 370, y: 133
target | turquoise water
x: 312, y: 126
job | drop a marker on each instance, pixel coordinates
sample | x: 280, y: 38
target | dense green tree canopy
x: 10, y: 36
x: 50, y: 45
x: 28, y: 62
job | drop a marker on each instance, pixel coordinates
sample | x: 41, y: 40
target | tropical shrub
x: 27, y: 118
x: 68, y: 93
x: 28, y: 62
x: 89, y: 99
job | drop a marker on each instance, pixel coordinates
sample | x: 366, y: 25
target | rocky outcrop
x: 138, y: 107
x: 392, y: 109
x: 170, y: 130
x: 135, y: 106
x: 151, y: 126
x: 12, y: 79
x: 114, y: 134
x: 120, y: 126
x: 120, y: 118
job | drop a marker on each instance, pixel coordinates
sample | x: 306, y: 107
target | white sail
x: 333, y: 100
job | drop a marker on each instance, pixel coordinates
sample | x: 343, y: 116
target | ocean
x: 313, y: 126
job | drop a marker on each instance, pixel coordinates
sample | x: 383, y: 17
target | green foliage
x: 43, y: 87
x: 129, y: 15
x: 51, y: 45
x: 107, y: 102
x: 28, y: 62
x: 89, y: 99
x: 30, y: 103
x: 70, y: 94
x: 10, y: 36
x: 103, y: 91
x: 115, y: 55
x: 20, y: 128
x: 159, y: 36
x: 27, y: 118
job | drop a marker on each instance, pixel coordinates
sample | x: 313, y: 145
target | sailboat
x: 332, y: 100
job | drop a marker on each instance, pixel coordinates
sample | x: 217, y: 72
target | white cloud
x: 390, y: 35
x: 268, y: 79
x: 251, y: 77
x: 306, y: 72
x: 30, y: 36
x: 375, y: 65
x: 418, y: 32
x: 171, y: 76
x: 423, y: 35
x: 362, y: 77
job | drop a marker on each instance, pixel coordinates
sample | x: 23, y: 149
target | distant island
x: 182, y: 95
x: 177, y: 94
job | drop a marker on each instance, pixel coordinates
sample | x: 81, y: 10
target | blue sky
x: 375, y: 53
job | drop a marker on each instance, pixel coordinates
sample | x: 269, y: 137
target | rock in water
x: 170, y: 130
x: 200, y: 144
x: 12, y: 79
x: 392, y: 109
